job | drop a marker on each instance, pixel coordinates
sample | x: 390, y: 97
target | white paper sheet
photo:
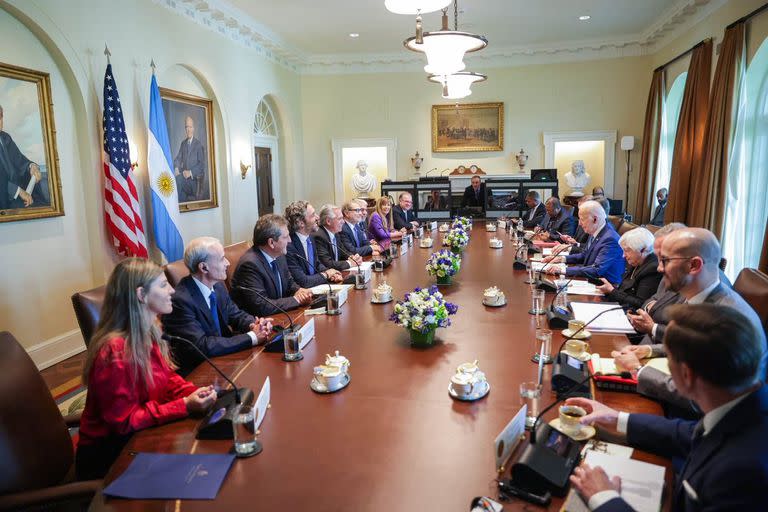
x: 613, y: 321
x: 583, y: 288
x: 262, y: 402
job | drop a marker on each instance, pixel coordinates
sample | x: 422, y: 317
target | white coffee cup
x: 462, y: 384
x: 570, y: 417
x: 382, y: 295
x: 329, y: 376
x: 575, y: 348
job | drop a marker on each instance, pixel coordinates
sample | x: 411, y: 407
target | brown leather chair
x: 87, y: 306
x: 616, y: 220
x: 752, y: 285
x: 37, y: 469
x: 650, y: 227
x: 175, y: 271
x: 626, y: 226
x: 233, y: 253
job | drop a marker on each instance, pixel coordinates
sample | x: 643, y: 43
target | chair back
x: 88, y: 306
x: 34, y: 441
x: 233, y: 253
x: 652, y: 228
x: 752, y: 285
x: 616, y: 220
x: 626, y: 226
x: 175, y: 271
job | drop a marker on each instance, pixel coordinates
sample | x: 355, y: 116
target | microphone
x: 560, y: 398
x: 429, y: 171
x: 217, y: 424
x: 360, y: 286
x: 328, y: 311
x: 558, y: 317
x: 269, y: 301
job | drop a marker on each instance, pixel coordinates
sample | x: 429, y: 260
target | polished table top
x: 393, y: 439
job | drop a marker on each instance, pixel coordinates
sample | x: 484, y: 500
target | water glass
x: 543, y: 336
x: 292, y: 352
x: 332, y: 303
x: 244, y: 427
x: 537, y: 302
x: 378, y: 265
x: 530, y: 395
x: 360, y: 281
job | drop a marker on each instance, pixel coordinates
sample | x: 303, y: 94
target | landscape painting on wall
x: 30, y: 187
x: 468, y: 127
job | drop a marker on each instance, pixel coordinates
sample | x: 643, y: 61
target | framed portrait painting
x: 468, y: 127
x: 30, y: 186
x: 190, y: 132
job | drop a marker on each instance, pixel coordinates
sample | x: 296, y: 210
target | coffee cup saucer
x: 586, y: 432
x: 374, y: 301
x: 584, y: 357
x: 319, y: 387
x: 583, y: 335
x: 482, y: 388
x: 504, y: 303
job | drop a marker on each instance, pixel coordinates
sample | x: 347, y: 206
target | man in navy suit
x: 557, y: 221
x: 602, y: 257
x: 536, y: 210
x: 263, y: 271
x: 353, y: 236
x: 203, y: 312
x: 474, y: 194
x: 403, y: 214
x: 329, y: 250
x: 190, y: 166
x: 717, y: 360
x: 303, y: 262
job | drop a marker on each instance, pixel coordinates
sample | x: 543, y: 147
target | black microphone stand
x: 560, y: 398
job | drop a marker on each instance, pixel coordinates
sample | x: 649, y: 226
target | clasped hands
x: 261, y: 327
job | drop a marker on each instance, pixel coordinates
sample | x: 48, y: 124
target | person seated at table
x: 363, y: 205
x: 474, y: 194
x: 557, y: 222
x: 717, y: 361
x: 329, y: 251
x: 403, y: 214
x: 688, y: 261
x: 658, y: 214
x: 353, y: 237
x: 263, y: 271
x: 129, y: 372
x: 381, y: 226
x: 602, y: 257
x: 204, y: 313
x: 577, y: 241
x: 301, y: 254
x: 536, y: 211
x: 435, y: 201
x: 641, y: 278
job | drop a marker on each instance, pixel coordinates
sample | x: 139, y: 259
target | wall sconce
x: 133, y: 153
x: 243, y: 169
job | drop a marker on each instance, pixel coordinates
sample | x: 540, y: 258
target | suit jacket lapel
x: 197, y: 297
x: 266, y: 269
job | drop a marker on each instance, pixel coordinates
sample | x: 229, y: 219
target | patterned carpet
x: 70, y: 396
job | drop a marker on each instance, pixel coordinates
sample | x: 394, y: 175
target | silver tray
x: 374, y: 301
x: 477, y: 395
x: 320, y: 388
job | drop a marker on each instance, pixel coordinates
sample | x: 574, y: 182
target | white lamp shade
x: 628, y: 143
x: 458, y: 85
x: 445, y: 50
x: 415, y: 6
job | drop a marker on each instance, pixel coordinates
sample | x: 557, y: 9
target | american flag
x: 121, y: 202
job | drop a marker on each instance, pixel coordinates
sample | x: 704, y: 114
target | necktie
x: 356, y: 235
x: 311, y: 256
x: 278, y: 281
x: 530, y: 215
x: 335, y: 249
x: 589, y: 242
x: 215, y: 312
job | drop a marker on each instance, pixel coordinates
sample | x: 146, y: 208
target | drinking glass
x: 537, y: 302
x: 378, y: 264
x: 360, y: 280
x: 332, y: 303
x: 530, y: 394
x: 244, y: 429
x: 292, y: 352
x: 543, y: 336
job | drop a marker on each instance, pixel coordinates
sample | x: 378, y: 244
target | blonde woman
x: 130, y: 376
x: 381, y: 227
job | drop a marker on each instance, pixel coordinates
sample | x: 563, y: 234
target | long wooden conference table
x: 393, y: 440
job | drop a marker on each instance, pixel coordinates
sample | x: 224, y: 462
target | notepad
x: 164, y: 476
x: 612, y: 321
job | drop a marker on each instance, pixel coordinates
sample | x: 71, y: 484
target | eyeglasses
x: 664, y: 261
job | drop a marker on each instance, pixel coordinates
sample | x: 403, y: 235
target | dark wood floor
x: 65, y: 375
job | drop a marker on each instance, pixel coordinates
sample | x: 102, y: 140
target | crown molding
x: 222, y: 18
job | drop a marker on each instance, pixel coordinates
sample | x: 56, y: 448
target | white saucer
x: 494, y: 305
x: 426, y: 246
x: 495, y: 247
x: 374, y: 301
x: 583, y: 335
x: 584, y: 357
x: 587, y: 431
x: 320, y: 388
x: 480, y: 392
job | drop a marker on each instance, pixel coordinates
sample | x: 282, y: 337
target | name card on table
x: 432, y: 225
x: 262, y: 403
x: 306, y: 333
x: 403, y: 249
x: 502, y: 224
x: 512, y: 434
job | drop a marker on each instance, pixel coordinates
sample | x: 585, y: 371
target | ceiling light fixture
x: 417, y: 7
x: 354, y: 35
x: 445, y: 48
x: 585, y: 17
x: 457, y: 85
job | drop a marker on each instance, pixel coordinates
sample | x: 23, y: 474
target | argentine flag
x: 165, y: 200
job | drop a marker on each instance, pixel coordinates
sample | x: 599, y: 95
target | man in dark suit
x: 16, y: 171
x: 658, y: 214
x: 263, y: 271
x: 352, y: 237
x: 435, y: 201
x: 536, y: 211
x: 717, y: 361
x: 474, y: 195
x: 329, y: 250
x: 190, y: 165
x: 203, y: 312
x: 303, y: 262
x: 602, y: 257
x: 403, y: 214
x: 556, y: 222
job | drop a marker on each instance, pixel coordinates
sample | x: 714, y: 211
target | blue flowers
x: 423, y: 310
x: 442, y: 263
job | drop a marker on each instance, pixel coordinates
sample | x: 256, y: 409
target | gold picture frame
x: 30, y: 183
x: 468, y: 127
x: 192, y: 157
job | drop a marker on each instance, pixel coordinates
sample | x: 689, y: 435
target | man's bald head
x: 692, y: 242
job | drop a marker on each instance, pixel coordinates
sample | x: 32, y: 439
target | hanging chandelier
x: 445, y: 48
x: 417, y: 7
x: 457, y: 85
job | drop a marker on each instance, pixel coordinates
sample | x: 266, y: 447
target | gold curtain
x: 689, y: 138
x: 649, y: 157
x: 706, y: 199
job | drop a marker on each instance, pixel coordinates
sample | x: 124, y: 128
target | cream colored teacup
x: 328, y: 376
x: 462, y: 383
x: 575, y: 348
x: 494, y: 299
x: 382, y: 293
x: 468, y: 368
x: 337, y: 360
x: 570, y: 416
x: 576, y: 326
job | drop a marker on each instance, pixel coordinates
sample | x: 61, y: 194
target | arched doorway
x: 265, y: 157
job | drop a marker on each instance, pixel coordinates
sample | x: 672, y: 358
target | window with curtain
x: 670, y: 112
x: 747, y: 187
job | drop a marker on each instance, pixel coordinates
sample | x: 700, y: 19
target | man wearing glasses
x: 689, y: 263
x: 403, y: 214
x: 352, y: 237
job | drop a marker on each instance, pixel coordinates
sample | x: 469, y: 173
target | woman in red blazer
x: 131, y: 380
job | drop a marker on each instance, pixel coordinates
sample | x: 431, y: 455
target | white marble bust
x: 363, y: 182
x: 577, y: 178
